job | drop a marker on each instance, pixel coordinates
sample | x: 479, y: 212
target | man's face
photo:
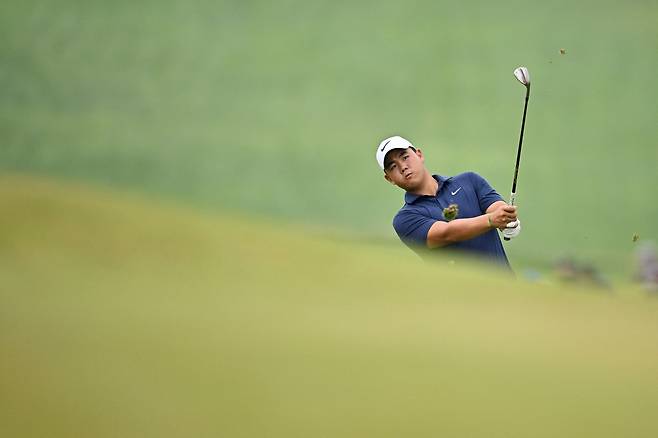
x: 405, y: 168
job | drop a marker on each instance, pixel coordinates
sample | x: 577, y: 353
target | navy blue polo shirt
x: 472, y: 194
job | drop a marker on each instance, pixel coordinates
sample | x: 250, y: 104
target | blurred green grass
x: 126, y: 317
x: 275, y: 109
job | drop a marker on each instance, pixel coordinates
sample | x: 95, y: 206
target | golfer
x: 421, y: 224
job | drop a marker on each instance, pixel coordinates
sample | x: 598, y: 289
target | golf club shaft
x: 518, y: 152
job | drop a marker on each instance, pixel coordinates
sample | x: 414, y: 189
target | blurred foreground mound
x: 120, y: 317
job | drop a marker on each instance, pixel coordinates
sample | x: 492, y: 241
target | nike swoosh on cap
x: 455, y: 192
x: 384, y: 145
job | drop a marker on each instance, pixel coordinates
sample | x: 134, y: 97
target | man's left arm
x: 491, y: 201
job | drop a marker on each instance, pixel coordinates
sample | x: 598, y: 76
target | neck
x: 429, y: 186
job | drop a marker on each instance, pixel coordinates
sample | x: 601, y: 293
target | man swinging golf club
x: 457, y: 213
x: 421, y: 223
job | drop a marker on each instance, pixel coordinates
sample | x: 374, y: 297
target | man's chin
x: 408, y: 186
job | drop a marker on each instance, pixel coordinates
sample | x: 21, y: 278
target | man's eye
x: 391, y: 167
x: 405, y: 157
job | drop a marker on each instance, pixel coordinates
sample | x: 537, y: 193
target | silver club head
x: 522, y: 76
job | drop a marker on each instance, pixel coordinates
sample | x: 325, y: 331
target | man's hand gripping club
x: 504, y: 217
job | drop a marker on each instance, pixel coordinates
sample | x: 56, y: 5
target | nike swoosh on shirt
x: 455, y: 192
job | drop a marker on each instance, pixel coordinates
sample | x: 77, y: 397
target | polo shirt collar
x: 410, y: 198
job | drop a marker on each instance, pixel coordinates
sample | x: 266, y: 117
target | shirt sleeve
x: 412, y: 227
x: 486, y: 194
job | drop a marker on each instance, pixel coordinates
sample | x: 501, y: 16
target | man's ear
x: 420, y: 155
x: 388, y: 178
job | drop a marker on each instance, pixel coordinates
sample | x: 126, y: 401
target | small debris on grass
x: 451, y: 212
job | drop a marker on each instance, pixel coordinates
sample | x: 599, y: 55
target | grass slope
x: 276, y: 109
x: 120, y: 317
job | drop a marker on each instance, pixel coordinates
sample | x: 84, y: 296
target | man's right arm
x: 444, y: 233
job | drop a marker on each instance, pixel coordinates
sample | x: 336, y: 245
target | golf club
x: 522, y: 75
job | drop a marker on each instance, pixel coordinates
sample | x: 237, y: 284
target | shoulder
x: 468, y: 176
x: 473, y: 178
x: 404, y: 212
x: 409, y: 213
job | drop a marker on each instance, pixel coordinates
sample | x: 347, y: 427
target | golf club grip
x: 512, y: 200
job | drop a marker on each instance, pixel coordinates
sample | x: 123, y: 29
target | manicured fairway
x: 126, y: 317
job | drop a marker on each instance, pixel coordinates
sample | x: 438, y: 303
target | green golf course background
x: 196, y: 238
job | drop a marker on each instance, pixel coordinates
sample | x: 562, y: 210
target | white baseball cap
x: 388, y: 144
